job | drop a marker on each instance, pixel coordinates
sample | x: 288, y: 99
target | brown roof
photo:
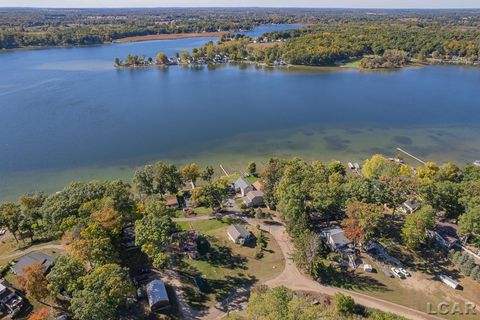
x: 258, y: 185
x: 171, y: 200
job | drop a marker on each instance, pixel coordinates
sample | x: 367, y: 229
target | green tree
x: 156, y: 205
x: 143, y: 180
x: 207, y: 174
x: 10, y: 218
x: 469, y: 223
x: 271, y: 176
x: 252, y: 168
x: 65, y: 275
x: 376, y: 167
x: 414, y: 231
x: 152, y: 233
x: 167, y: 178
x: 211, y: 195
x: 94, y: 246
x: 105, y: 292
x: 162, y: 58
x: 344, y: 305
x: 267, y: 303
x: 191, y: 172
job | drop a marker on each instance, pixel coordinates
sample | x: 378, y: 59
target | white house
x: 409, y: 206
x: 243, y: 186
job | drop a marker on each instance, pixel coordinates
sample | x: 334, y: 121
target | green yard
x: 228, y: 266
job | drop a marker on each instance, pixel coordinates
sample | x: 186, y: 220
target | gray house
x: 239, y: 234
x: 335, y: 238
x: 243, y: 186
x: 33, y: 258
x: 254, y: 198
x: 157, y: 295
x: 409, y: 206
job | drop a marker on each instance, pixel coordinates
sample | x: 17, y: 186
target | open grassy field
x: 229, y: 266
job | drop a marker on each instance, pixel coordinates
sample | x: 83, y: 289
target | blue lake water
x: 67, y: 113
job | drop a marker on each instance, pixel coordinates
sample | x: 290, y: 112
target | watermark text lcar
x: 452, y: 308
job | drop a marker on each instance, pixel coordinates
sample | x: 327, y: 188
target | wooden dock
x: 411, y: 156
x: 224, y: 171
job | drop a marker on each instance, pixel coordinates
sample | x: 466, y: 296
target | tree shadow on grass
x: 222, y: 256
x: 193, y: 295
x: 350, y: 280
x: 222, y: 288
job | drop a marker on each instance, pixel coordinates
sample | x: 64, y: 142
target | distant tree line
x: 377, y: 45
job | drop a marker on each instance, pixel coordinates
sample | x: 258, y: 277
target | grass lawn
x: 199, y: 211
x: 203, y: 226
x: 229, y: 266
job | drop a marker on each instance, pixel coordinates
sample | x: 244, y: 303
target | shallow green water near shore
x: 68, y: 114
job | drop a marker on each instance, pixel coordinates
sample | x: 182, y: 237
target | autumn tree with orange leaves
x: 362, y: 220
x: 33, y: 282
x: 41, y: 314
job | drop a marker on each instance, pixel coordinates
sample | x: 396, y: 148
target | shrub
x: 344, y: 305
x: 259, y: 255
x: 467, y: 266
x: 475, y: 273
x: 4, y: 270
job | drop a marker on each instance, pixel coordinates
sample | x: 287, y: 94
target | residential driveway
x: 293, y: 278
x: 19, y: 253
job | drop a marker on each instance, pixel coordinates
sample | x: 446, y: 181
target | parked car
x: 397, y: 273
x: 367, y: 268
x: 404, y: 272
x: 387, y: 273
x: 2, y: 232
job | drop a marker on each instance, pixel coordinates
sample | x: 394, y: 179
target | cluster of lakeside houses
x: 252, y: 194
x: 444, y: 234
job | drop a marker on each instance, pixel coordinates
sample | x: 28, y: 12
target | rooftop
x: 32, y: 258
x: 237, y: 231
x: 241, y: 183
x: 156, y: 292
x: 254, y: 194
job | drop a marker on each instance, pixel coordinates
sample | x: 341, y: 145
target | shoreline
x: 171, y: 36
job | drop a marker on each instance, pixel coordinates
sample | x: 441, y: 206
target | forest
x: 376, y: 45
x: 71, y: 27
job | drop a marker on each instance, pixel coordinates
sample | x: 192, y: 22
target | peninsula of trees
x: 379, y: 45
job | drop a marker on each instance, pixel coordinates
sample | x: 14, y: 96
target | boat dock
x: 411, y: 156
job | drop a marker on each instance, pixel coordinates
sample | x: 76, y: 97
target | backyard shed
x: 157, y: 295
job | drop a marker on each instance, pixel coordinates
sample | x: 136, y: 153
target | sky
x: 245, y: 3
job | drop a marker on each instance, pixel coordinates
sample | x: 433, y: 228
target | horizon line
x: 245, y: 7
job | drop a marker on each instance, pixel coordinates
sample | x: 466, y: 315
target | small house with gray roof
x: 33, y: 258
x: 243, y: 186
x: 239, y: 234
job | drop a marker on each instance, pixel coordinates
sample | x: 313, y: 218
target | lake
x: 68, y: 114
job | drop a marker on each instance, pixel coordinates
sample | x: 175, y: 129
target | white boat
x: 357, y: 166
x: 351, y: 166
x: 477, y: 163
